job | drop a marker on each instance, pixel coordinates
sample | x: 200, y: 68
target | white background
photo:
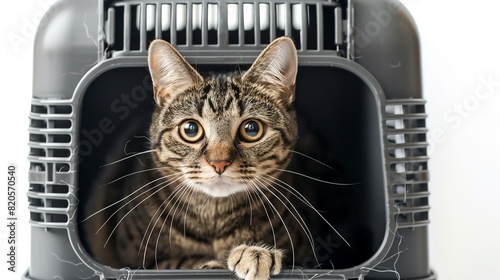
x: 460, y: 43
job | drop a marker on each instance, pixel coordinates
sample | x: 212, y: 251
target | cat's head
x: 224, y: 133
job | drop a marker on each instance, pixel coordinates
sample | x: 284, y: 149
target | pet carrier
x: 358, y: 100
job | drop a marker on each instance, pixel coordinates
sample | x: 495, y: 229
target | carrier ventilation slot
x: 407, y: 161
x: 315, y: 26
x: 51, y: 146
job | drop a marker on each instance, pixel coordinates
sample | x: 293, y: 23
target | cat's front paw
x: 254, y: 262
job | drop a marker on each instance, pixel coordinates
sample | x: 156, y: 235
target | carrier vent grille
x: 407, y: 161
x: 50, y: 142
x: 316, y: 26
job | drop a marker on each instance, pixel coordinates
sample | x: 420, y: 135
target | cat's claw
x: 255, y: 262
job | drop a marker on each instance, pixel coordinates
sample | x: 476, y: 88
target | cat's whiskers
x: 191, y: 191
x: 160, y: 187
x: 231, y: 200
x: 130, y: 174
x: 185, y: 205
x: 311, y: 158
x: 181, y: 188
x: 251, y: 203
x: 292, y: 191
x: 129, y: 157
x: 315, y: 179
x: 295, y: 213
x: 306, y: 202
x: 163, y: 206
x: 157, y: 212
x: 180, y: 199
x: 282, y: 221
x: 129, y: 195
x: 255, y: 189
x: 207, y: 199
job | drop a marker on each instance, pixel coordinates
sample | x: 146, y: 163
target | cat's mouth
x: 221, y: 186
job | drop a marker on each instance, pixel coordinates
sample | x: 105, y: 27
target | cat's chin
x: 221, y: 187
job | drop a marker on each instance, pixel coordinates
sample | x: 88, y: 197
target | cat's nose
x: 219, y: 165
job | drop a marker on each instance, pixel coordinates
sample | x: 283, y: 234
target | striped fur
x: 192, y: 212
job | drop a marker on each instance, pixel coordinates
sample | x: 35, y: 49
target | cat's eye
x: 251, y: 130
x: 191, y: 131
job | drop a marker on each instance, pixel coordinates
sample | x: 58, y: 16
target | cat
x: 213, y: 194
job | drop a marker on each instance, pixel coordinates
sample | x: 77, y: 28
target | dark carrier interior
x: 339, y: 125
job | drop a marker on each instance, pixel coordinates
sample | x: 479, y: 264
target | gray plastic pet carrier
x: 358, y: 99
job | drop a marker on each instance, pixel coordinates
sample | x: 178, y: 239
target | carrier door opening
x: 339, y: 142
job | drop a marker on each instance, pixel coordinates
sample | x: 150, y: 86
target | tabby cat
x: 214, y: 194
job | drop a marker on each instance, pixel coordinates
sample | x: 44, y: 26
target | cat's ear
x: 276, y: 66
x: 170, y: 72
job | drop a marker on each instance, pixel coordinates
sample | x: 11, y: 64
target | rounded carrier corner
x: 370, y: 131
